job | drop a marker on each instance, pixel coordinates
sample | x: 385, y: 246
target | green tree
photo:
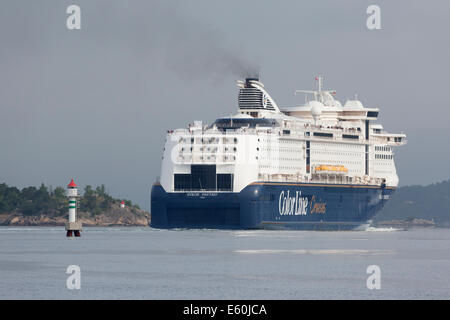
x: 89, y: 199
x: 10, y: 198
x: 42, y: 199
x: 101, y: 191
x: 59, y: 200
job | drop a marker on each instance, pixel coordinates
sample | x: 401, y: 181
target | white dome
x: 316, y: 108
x: 353, y: 104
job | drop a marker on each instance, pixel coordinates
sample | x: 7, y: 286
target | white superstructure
x: 321, y: 141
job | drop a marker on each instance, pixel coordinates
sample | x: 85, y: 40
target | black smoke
x: 196, y: 50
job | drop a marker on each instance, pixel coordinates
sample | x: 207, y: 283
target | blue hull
x: 270, y: 205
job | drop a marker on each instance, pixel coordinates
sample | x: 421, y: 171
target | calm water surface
x: 145, y: 263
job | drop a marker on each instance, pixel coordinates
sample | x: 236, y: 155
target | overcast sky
x: 95, y: 103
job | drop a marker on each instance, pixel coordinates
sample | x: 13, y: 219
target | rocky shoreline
x: 115, y: 216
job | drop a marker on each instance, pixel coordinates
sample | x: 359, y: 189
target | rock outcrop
x: 114, y: 216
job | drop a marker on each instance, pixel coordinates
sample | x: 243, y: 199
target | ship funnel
x: 248, y: 81
x: 253, y: 96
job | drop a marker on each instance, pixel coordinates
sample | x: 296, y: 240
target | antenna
x: 319, y: 79
x: 319, y: 95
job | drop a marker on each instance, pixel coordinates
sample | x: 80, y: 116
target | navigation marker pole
x: 72, y: 227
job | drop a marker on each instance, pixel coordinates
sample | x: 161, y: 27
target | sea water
x: 146, y: 263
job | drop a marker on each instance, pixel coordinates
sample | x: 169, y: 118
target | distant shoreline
x: 101, y: 220
x: 47, y: 206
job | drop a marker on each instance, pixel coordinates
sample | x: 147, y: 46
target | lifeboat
x: 340, y: 169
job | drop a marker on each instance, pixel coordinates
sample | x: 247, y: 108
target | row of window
x: 350, y: 136
x: 351, y: 154
x: 383, y: 164
x: 209, y: 140
x: 382, y: 148
x: 209, y: 149
x: 281, y: 149
x: 340, y: 162
x: 263, y: 159
x: 384, y: 156
x: 340, y: 145
x: 280, y: 168
x: 323, y: 134
x: 289, y: 141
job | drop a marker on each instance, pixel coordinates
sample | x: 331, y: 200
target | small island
x: 47, y: 206
x: 417, y: 207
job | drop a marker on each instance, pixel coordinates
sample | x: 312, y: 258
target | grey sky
x: 95, y: 103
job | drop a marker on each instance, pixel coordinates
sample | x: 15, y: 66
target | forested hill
x: 95, y: 206
x: 430, y: 202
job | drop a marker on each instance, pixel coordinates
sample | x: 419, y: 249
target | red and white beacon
x: 72, y: 226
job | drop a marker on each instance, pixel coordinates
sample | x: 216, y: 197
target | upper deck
x: 263, y: 142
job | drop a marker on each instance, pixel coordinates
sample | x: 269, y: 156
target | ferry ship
x: 321, y: 166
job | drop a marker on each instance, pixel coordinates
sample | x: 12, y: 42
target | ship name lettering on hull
x: 296, y: 205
